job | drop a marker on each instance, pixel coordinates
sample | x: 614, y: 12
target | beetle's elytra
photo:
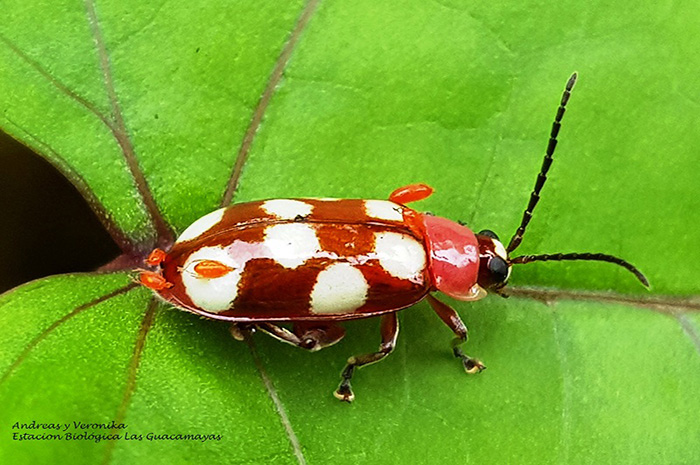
x: 316, y: 262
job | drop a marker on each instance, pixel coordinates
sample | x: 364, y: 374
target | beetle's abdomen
x: 303, y: 258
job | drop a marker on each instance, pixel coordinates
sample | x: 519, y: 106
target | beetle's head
x: 494, y: 266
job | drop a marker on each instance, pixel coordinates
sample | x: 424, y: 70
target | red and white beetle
x: 316, y: 262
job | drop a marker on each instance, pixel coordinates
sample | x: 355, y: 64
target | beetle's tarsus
x: 450, y: 317
x: 240, y: 331
x: 471, y: 365
x: 344, y: 392
x: 389, y: 329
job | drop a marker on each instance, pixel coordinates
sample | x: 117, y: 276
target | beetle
x: 316, y: 262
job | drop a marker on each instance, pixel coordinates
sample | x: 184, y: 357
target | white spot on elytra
x: 291, y: 244
x: 212, y: 294
x: 400, y: 255
x: 201, y: 225
x: 286, y: 209
x: 384, y: 210
x: 340, y: 288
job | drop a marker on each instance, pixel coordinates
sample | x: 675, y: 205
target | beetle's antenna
x: 546, y: 163
x: 599, y: 257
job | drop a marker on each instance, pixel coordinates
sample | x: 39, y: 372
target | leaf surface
x: 147, y: 107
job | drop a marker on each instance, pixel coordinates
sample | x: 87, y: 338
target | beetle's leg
x: 411, y: 193
x: 389, y: 328
x: 156, y: 257
x: 310, y: 337
x: 451, y: 319
x: 154, y: 281
x: 315, y: 336
x: 239, y: 331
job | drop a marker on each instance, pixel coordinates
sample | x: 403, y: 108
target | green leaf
x: 84, y: 370
x: 159, y: 112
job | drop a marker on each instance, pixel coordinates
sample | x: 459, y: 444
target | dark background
x: 46, y: 227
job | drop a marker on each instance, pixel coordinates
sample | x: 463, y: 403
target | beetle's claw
x: 473, y: 366
x: 240, y: 331
x: 344, y: 393
x: 310, y: 344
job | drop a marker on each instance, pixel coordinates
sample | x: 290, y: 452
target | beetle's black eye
x: 489, y: 233
x: 499, y: 269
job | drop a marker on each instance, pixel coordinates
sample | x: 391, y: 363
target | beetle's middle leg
x: 448, y: 315
x: 389, y: 328
x: 310, y: 336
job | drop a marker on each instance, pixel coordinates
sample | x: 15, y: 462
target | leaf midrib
x: 667, y: 304
x: 265, y: 98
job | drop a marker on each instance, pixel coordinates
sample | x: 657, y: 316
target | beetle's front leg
x: 389, y: 328
x: 452, y: 319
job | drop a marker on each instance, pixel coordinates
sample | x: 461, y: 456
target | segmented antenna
x: 599, y: 257
x: 546, y: 163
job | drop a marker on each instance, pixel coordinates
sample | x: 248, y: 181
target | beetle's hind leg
x: 452, y: 319
x: 389, y: 328
x: 310, y: 336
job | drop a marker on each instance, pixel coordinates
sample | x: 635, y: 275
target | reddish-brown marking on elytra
x: 268, y: 289
x: 155, y: 257
x: 211, y: 269
x: 414, y: 221
x: 249, y: 213
x: 244, y: 222
x: 171, y: 269
x: 345, y: 240
x: 338, y: 211
x: 153, y: 280
x: 387, y: 291
x: 250, y: 233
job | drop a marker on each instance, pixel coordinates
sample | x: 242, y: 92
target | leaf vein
x: 268, y: 93
x: 76, y: 311
x: 689, y: 329
x: 162, y: 229
x: 663, y: 304
x: 146, y: 324
x: 125, y: 243
x: 566, y: 387
x: 57, y: 82
x: 279, y: 406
